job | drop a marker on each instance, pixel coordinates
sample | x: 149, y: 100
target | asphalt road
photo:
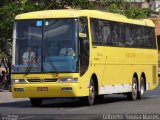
x: 113, y: 106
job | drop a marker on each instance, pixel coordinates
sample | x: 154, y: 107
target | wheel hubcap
x: 142, y: 90
x: 91, y: 92
x: 134, y: 89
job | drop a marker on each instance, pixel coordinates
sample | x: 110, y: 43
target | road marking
x: 77, y: 109
x: 153, y: 96
x: 23, y: 118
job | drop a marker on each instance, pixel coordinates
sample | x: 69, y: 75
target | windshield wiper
x: 52, y: 66
x: 29, y: 67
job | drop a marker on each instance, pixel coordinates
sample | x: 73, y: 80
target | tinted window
x: 112, y: 33
x: 117, y: 34
x: 96, y: 32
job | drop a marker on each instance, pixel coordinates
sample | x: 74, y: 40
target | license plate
x: 42, y: 88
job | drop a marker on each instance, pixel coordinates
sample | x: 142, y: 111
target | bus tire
x: 89, y: 100
x: 133, y: 94
x: 36, y: 101
x: 142, y: 88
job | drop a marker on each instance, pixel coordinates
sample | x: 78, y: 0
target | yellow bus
x: 83, y: 54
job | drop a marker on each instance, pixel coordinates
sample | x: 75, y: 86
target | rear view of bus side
x: 112, y: 54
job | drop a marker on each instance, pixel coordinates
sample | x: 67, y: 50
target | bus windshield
x: 48, y: 45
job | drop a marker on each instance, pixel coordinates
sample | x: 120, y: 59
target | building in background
x: 146, y: 4
x: 157, y: 24
x: 154, y: 5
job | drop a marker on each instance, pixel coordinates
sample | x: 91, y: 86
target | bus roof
x: 72, y: 13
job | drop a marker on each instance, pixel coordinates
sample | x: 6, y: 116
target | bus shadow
x: 66, y: 103
x: 77, y: 103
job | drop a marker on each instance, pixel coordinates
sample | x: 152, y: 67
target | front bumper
x: 51, y: 90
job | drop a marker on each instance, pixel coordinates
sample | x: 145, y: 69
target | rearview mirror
x: 82, y: 35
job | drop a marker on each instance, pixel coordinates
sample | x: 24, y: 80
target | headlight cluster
x: 18, y: 81
x: 68, y: 80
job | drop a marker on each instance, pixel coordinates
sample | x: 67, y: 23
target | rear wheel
x: 36, y: 101
x: 142, y: 89
x: 90, y: 100
x: 133, y: 94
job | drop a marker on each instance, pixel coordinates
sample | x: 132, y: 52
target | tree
x: 127, y: 9
x: 136, y: 13
x: 114, y: 8
x: 9, y: 9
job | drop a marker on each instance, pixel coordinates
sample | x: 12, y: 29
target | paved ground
x: 6, y: 97
x: 66, y: 109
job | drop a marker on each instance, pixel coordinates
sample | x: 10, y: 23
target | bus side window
x: 106, y: 33
x: 129, y: 35
x: 96, y: 29
x: 121, y: 35
x: 83, y: 27
x: 83, y: 44
x: 114, y: 34
x: 151, y: 41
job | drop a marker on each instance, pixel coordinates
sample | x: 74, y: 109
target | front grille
x: 50, y: 80
x: 34, y: 80
x: 42, y: 80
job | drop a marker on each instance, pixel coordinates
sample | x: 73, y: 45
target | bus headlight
x: 18, y: 81
x: 68, y: 80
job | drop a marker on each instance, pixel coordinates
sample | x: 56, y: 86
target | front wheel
x: 133, y: 94
x: 90, y: 100
x: 36, y: 101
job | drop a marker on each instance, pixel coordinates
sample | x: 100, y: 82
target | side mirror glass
x: 82, y: 35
